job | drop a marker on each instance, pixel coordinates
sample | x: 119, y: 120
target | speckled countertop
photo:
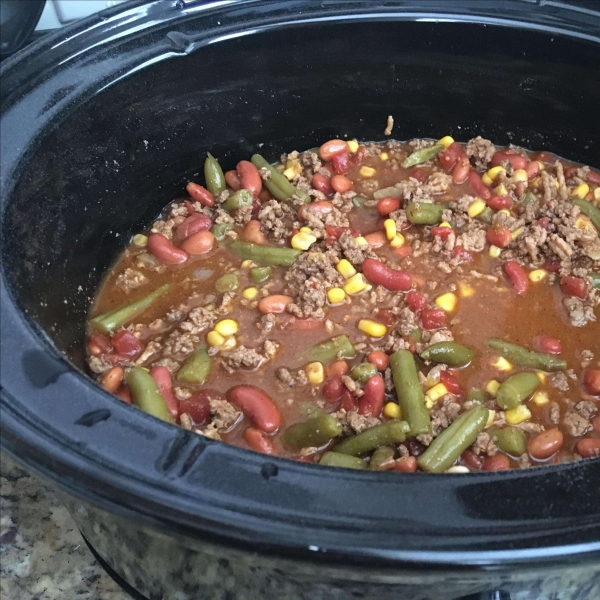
x: 42, y: 554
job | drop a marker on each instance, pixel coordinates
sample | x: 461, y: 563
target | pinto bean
x: 200, y: 194
x: 406, y: 464
x: 341, y: 184
x: 591, y: 381
x: 252, y: 233
x: 546, y: 343
x: 258, y: 441
x: 376, y: 239
x: 162, y: 249
x: 193, y: 224
x: 199, y: 243
x: 588, y: 447
x: 380, y: 359
x: 499, y: 462
x: 471, y: 460
x: 124, y: 394
x: 249, y: 177
x: 112, y: 379
x: 388, y: 205
x: 338, y: 368
x: 329, y: 149
x: 322, y: 184
x: 323, y: 207
x: 232, y: 179
x: 596, y: 424
x: 516, y: 160
x: 545, y: 444
x: 256, y: 406
x: 275, y: 303
x: 532, y: 168
x: 164, y: 382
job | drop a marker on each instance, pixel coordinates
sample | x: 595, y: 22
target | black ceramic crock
x: 103, y: 123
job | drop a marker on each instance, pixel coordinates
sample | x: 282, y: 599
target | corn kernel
x: 492, y: 387
x: 303, y: 241
x: 487, y: 180
x: 535, y: 182
x: 491, y: 417
x: 517, y: 415
x: 520, y: 175
x: 447, y: 302
x: 517, y: 232
x: 291, y: 172
x: 501, y: 190
x: 541, y: 165
x: 495, y: 171
x: 397, y: 241
x: 345, y: 268
x: 444, y: 224
x: 356, y: 284
x: 384, y: 156
x: 361, y: 241
x: 581, y: 191
x: 352, y: 146
x: 501, y: 364
x: 315, y: 372
x: 229, y: 343
x: 597, y: 194
x: 476, y: 208
x: 367, y: 172
x: 390, y: 228
x: 446, y: 141
x: 214, y: 338
x: 585, y: 223
x: 372, y: 328
x: 540, y: 398
x: 227, y: 327
x: 392, y: 411
x: 250, y: 293
x: 541, y: 376
x: 557, y: 184
x: 336, y: 295
x: 247, y: 264
x: 505, y: 211
x: 465, y: 290
x: 140, y: 240
x: 436, y: 392
x: 305, y: 230
x: 494, y: 251
x: 538, y: 275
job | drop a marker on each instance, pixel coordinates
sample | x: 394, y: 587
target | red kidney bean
x: 545, y: 444
x: 301, y: 324
x: 451, y: 383
x: 358, y: 156
x: 112, y: 379
x: 450, y: 156
x: 193, y: 224
x: 591, y: 381
x: 499, y: 462
x: 593, y: 177
x: 349, y: 402
x: 162, y: 249
x: 333, y: 389
x: 500, y: 202
x: 499, y: 236
x: 433, y: 318
x: 233, y: 181
x: 532, y: 168
x: 471, y: 460
x: 329, y: 149
x: 588, y: 447
x: 370, y: 403
x: 458, y: 252
x: 461, y: 169
x: 573, y: 286
x: 273, y: 304
x: 257, y: 406
x: 516, y: 160
x: 162, y: 377
x: 341, y: 163
x: 338, y: 368
x: 376, y: 239
x: 570, y: 171
x: 322, y: 184
x: 126, y: 344
x: 380, y: 359
x: 199, y: 243
x: 249, y: 177
x: 341, y: 184
x: 546, y: 343
x: 596, y: 422
x: 198, y: 406
x: 517, y: 276
x: 388, y: 205
x: 415, y: 448
x: 478, y: 186
x: 258, y: 441
x: 323, y: 207
x: 406, y: 464
x: 419, y: 174
x: 124, y: 394
x: 379, y: 274
x: 99, y: 344
x: 442, y: 232
x: 200, y: 194
x: 386, y: 316
x: 552, y: 265
x: 402, y: 251
x: 416, y: 301
x: 253, y: 233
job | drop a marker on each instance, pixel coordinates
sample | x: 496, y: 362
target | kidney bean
x: 379, y: 274
x: 200, y: 194
x: 500, y: 202
x: 471, y: 460
x: 335, y: 232
x: 349, y: 402
x: 442, y: 232
x: 388, y: 205
x: 99, y: 344
x: 300, y: 324
x: 112, y: 379
x: 193, y: 224
x: 198, y: 406
x: 275, y: 303
x: 406, y: 464
x: 451, y: 383
x: 573, y: 286
x: 433, y: 318
x: 402, y: 251
x: 570, y: 171
x: 478, y: 186
x: 588, y: 447
x: 322, y: 183
x: 162, y: 249
x: 591, y: 381
x: 532, y: 168
x: 252, y: 233
x: 333, y: 389
x: 126, y: 344
x: 545, y: 444
x: 124, y: 394
x: 370, y: 403
x: 593, y: 177
x: 256, y: 406
x: 596, y: 424
x: 458, y: 252
x: 546, y: 343
x: 516, y: 160
x: 162, y: 377
x: 329, y: 149
x: 380, y: 359
x: 461, y: 169
x: 338, y: 368
x: 386, y: 316
x: 546, y: 157
x: 449, y: 156
x: 499, y: 236
x: 416, y: 301
x: 258, y: 441
x: 517, y: 276
x: 199, y: 243
x: 376, y: 239
x: 341, y: 184
x: 419, y: 174
x: 415, y: 448
x: 249, y: 177
x: 233, y: 181
x: 499, y: 462
x: 552, y: 265
x: 341, y: 163
x: 358, y: 156
x: 322, y: 207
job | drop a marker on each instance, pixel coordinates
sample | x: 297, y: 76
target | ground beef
x: 317, y: 221
x: 248, y: 358
x: 443, y: 416
x: 563, y: 193
x: 586, y: 408
x: 199, y: 319
x: 180, y: 344
x: 559, y: 381
x: 439, y: 182
x: 443, y: 335
x: 485, y: 444
x: 291, y: 379
x: 554, y: 413
x: 223, y: 416
x: 575, y: 424
x: 275, y: 219
x: 222, y: 216
x: 130, y: 279
x: 352, y: 422
x: 407, y: 321
x: 579, y: 313
x: 587, y: 356
x: 266, y: 323
x: 480, y: 151
x: 166, y: 227
x: 352, y: 251
x: 473, y: 241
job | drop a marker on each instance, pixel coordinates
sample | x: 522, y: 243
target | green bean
x: 590, y: 211
x: 485, y: 216
x: 116, y: 318
x: 392, y: 432
x: 146, y: 395
x: 359, y: 201
x: 529, y: 199
x: 219, y: 230
x: 238, y: 200
x: 277, y: 183
x: 309, y: 409
x: 527, y: 358
x: 213, y: 174
x: 445, y: 449
x: 422, y: 155
x: 409, y: 392
x: 363, y: 372
x: 227, y: 283
x: 260, y: 274
x: 511, y: 440
x: 516, y: 389
x: 196, y: 368
x: 595, y: 277
x: 416, y: 334
x: 337, y: 347
x: 312, y: 433
x: 424, y: 213
x: 265, y: 255
x: 449, y: 353
x: 382, y: 457
x: 335, y: 459
x: 477, y: 395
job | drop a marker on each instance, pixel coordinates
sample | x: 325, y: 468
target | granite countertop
x: 42, y: 554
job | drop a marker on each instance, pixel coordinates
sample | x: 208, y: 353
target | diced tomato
x: 341, y: 162
x: 335, y: 231
x: 126, y: 344
x: 544, y: 222
x: 552, y: 265
x: 433, y: 318
x: 499, y: 236
x: 462, y: 255
x: 416, y: 301
x: 449, y: 380
x: 442, y: 232
x: 573, y: 286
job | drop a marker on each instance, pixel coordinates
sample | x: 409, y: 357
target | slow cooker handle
x: 495, y: 595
